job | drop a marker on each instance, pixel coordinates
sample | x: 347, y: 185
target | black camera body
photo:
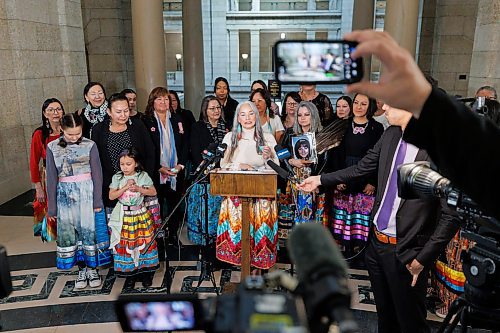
x: 253, y: 308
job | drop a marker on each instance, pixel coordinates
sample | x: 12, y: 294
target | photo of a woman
x: 302, y: 149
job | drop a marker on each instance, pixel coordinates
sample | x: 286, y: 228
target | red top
x: 38, y: 151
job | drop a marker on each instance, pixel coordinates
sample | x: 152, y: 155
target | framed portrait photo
x: 304, y: 147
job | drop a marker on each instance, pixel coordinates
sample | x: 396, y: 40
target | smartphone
x: 138, y: 313
x: 308, y: 61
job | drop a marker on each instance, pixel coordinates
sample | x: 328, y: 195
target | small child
x: 74, y: 190
x: 131, y: 224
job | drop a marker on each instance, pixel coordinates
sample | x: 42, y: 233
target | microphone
x: 283, y: 155
x: 206, y: 156
x: 219, y: 154
x: 282, y: 172
x: 322, y: 274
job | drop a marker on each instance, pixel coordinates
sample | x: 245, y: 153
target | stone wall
x: 446, y: 43
x: 485, y: 65
x: 42, y: 54
x: 108, y: 42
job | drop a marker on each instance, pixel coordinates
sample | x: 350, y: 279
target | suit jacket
x: 422, y: 228
x: 181, y: 143
x: 140, y: 140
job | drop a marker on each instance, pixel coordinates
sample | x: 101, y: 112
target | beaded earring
x: 239, y: 131
x: 129, y: 121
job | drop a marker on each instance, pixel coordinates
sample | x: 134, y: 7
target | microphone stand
x: 160, y: 232
x: 207, y: 270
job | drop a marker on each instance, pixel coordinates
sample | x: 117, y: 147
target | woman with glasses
x: 52, y: 112
x: 95, y: 111
x: 292, y: 100
x: 209, y: 130
x: 270, y: 123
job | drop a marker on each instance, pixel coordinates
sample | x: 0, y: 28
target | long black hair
x: 45, y: 128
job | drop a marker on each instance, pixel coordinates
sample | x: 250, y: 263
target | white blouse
x: 246, y: 152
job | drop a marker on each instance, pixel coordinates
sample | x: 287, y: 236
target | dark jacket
x: 140, y: 141
x: 229, y: 110
x: 463, y: 145
x: 181, y: 143
x: 423, y: 230
x: 200, y: 140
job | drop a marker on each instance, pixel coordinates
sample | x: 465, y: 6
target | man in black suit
x: 407, y: 235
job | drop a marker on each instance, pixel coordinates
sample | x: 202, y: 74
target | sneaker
x: 81, y: 280
x: 94, y: 278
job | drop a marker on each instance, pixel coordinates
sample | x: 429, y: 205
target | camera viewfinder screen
x: 160, y: 316
x: 316, y: 62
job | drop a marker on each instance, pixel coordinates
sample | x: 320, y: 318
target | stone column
x: 311, y: 4
x: 192, y: 44
x: 256, y: 5
x: 362, y: 18
x: 484, y: 69
x: 149, y: 48
x: 401, y: 22
x: 234, y: 56
x: 254, y: 54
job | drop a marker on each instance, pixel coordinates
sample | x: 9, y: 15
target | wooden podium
x: 246, y: 185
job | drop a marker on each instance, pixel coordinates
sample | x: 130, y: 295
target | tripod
x: 470, y: 315
x: 207, y: 271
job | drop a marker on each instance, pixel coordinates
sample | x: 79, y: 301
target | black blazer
x: 181, y: 143
x: 229, y: 110
x: 140, y: 141
x: 200, y: 139
x: 423, y: 229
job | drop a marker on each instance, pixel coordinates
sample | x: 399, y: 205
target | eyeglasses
x: 51, y: 110
x: 292, y: 104
x: 215, y: 108
x: 98, y: 94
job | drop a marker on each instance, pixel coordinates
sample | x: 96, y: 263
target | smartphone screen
x: 327, y: 62
x: 153, y: 313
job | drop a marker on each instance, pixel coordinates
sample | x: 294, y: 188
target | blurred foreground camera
x: 254, y: 308
x: 479, y: 306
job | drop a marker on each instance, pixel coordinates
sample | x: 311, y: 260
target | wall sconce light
x: 244, y: 56
x: 178, y: 56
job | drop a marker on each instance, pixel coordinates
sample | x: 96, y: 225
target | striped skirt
x: 350, y: 217
x: 263, y: 232
x: 137, y: 232
x: 196, y: 215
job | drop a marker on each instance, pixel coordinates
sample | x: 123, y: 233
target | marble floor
x: 44, y: 299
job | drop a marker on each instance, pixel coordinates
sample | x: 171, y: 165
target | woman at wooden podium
x: 248, y: 148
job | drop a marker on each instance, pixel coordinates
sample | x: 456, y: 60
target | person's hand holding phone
x: 402, y: 84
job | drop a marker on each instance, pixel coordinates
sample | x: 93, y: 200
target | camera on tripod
x: 253, y: 308
x: 481, y: 263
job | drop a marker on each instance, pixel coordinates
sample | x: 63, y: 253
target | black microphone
x: 206, y: 157
x: 283, y: 155
x: 322, y: 273
x: 219, y: 154
x: 282, y: 172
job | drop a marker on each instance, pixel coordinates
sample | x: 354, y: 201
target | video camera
x: 481, y: 263
x: 319, y: 298
x: 253, y: 308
